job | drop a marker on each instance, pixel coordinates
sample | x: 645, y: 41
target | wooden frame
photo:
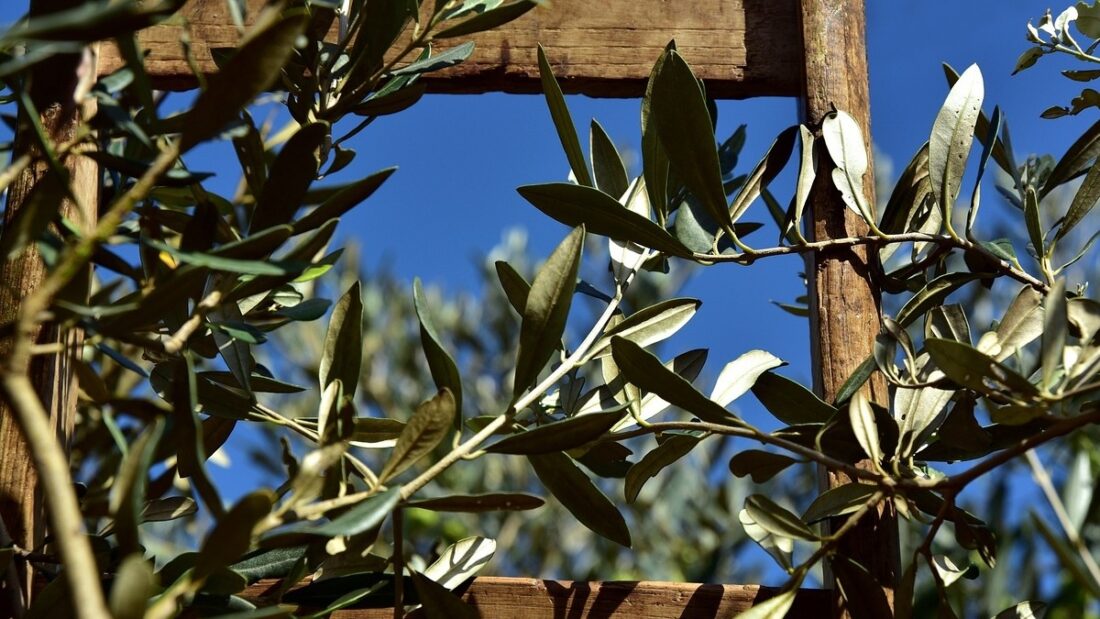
x: 741, y: 48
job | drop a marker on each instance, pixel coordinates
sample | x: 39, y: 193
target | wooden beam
x: 22, y: 510
x: 844, y: 303
x: 532, y: 598
x: 741, y: 48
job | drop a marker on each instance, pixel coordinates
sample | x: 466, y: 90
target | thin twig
x: 1074, y: 537
x: 876, y: 241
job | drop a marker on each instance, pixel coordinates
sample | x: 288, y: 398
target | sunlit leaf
x: 776, y: 519
x: 460, y: 561
x: 488, y: 20
x: 343, y: 353
x: 740, y: 374
x: 546, y: 310
x: 952, y: 135
x: 839, y: 501
x: 844, y: 141
x: 648, y: 326
x: 864, y: 426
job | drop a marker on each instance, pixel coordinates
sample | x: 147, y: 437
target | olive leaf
x: 563, y: 122
x: 862, y: 417
x: 844, y: 142
x: 440, y: 363
x: 646, y: 371
x: 232, y: 535
x: 546, y: 310
x: 252, y: 69
x: 343, y: 352
x: 647, y: 326
x: 460, y: 561
x: 760, y: 465
x: 656, y: 460
x: 426, y: 428
x: 740, y: 374
x: 952, y: 135
x: 777, y: 520
x: 607, y: 166
x: 599, y: 213
x: 294, y: 170
x: 580, y: 496
x: 478, y: 503
x: 679, y: 112
x: 789, y: 401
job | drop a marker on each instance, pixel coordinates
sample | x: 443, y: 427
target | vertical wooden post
x: 52, y: 88
x: 845, y: 305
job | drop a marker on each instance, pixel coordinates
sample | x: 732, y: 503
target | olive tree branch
x: 877, y: 241
x: 958, y: 482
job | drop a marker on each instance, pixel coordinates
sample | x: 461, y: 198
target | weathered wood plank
x: 741, y: 48
x: 532, y: 598
x: 844, y: 303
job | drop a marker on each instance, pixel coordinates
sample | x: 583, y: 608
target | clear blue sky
x: 461, y: 158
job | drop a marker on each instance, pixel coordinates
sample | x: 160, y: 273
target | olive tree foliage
x: 192, y: 288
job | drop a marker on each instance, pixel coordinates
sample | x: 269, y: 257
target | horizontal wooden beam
x: 741, y: 48
x: 532, y: 598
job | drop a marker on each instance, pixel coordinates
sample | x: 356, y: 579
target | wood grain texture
x: 532, y: 598
x: 741, y: 48
x: 844, y: 303
x: 21, y: 503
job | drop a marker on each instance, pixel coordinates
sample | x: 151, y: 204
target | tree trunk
x: 52, y: 89
x: 844, y: 304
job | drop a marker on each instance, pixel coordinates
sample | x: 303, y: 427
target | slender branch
x: 1047, y: 486
x: 755, y: 434
x: 1061, y: 428
x: 876, y: 241
x: 67, y: 526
